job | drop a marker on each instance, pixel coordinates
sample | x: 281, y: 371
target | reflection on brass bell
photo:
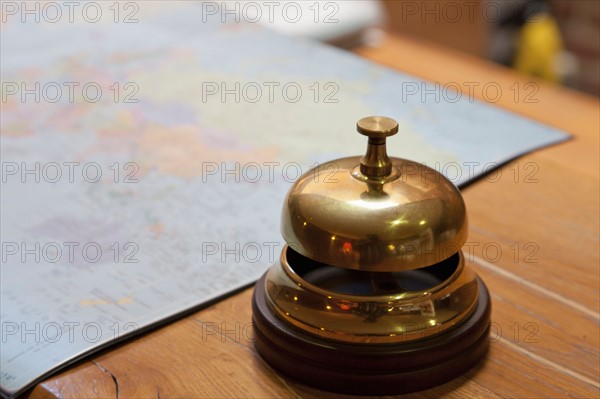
x: 371, y: 294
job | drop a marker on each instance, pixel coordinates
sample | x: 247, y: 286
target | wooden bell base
x: 368, y: 369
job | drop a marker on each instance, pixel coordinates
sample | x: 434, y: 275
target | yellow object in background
x: 539, y: 45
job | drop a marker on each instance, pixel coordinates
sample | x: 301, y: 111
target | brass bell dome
x: 374, y: 213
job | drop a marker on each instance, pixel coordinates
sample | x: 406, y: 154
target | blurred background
x: 557, y: 40
x: 554, y: 40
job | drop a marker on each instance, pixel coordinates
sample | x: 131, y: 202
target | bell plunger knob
x: 376, y: 164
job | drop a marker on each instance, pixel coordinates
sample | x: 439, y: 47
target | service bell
x: 371, y: 294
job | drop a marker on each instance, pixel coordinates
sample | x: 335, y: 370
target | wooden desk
x: 534, y: 239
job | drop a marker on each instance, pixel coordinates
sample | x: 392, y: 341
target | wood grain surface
x: 534, y: 239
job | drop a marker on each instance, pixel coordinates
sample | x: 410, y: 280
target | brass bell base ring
x: 370, y: 369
